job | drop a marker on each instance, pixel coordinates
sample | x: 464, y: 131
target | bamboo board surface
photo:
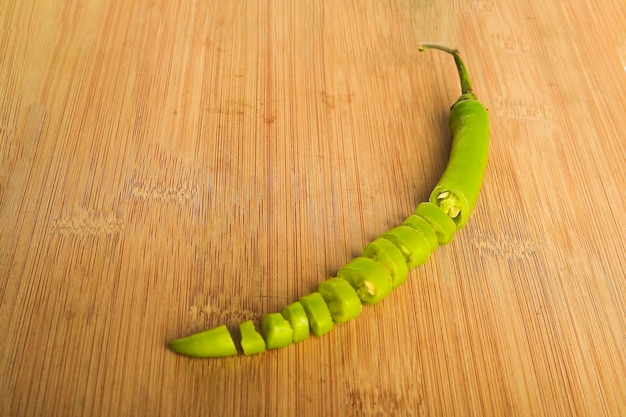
x: 167, y: 167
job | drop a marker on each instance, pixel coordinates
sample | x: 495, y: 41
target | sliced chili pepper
x: 412, y: 243
x: 342, y: 300
x: 390, y: 257
x: 215, y: 342
x: 420, y: 224
x: 294, y: 313
x: 251, y: 340
x: 385, y: 262
x: 442, y: 224
x: 277, y: 331
x: 370, y: 279
x: 320, y: 320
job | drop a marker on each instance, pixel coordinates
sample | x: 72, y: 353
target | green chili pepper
x: 443, y: 225
x: 277, y: 331
x: 420, y: 224
x: 320, y: 320
x: 390, y: 257
x: 386, y: 261
x: 294, y: 313
x: 342, y: 300
x: 210, y: 343
x: 251, y: 340
x: 413, y: 244
x: 457, y: 190
x: 370, y: 279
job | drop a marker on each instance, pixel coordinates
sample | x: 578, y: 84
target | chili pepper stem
x: 466, y: 84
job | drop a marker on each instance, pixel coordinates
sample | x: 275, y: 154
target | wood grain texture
x: 166, y: 167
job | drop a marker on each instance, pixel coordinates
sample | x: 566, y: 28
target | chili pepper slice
x: 390, y: 257
x: 370, y: 279
x: 413, y: 244
x: 320, y: 320
x: 342, y: 300
x: 277, y: 331
x: 420, y: 224
x: 251, y: 340
x: 458, y: 189
x: 442, y: 224
x: 215, y: 342
x: 294, y: 313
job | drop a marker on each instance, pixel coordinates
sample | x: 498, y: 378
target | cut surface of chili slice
x: 370, y: 279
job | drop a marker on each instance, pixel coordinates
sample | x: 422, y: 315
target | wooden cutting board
x: 168, y: 167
